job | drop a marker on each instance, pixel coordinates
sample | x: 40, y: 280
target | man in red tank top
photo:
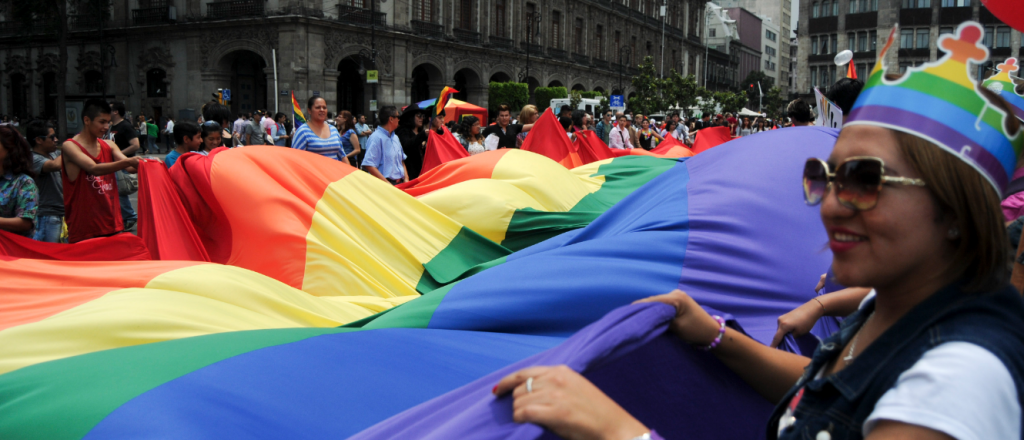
x: 91, y: 201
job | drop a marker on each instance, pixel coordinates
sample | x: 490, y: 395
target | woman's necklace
x: 853, y: 345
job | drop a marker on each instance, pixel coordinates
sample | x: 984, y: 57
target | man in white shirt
x: 169, y: 134
x: 619, y: 136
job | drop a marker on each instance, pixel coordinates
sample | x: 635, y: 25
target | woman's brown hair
x: 962, y: 192
x: 350, y: 121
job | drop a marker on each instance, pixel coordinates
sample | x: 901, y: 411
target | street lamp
x: 532, y: 25
x: 624, y: 50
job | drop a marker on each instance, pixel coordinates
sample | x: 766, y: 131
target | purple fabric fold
x: 667, y: 385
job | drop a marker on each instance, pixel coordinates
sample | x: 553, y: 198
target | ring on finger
x: 529, y: 385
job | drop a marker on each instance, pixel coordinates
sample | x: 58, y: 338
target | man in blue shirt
x: 385, y: 158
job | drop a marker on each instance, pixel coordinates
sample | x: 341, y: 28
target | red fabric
x: 590, y: 147
x: 91, y: 206
x: 120, y: 247
x: 164, y: 222
x: 667, y: 144
x: 548, y: 138
x: 440, y: 149
x: 710, y: 137
x: 191, y: 175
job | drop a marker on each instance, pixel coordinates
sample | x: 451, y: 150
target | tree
x: 729, y: 101
x: 749, y: 86
x: 773, y: 103
x: 647, y: 85
x: 516, y: 95
x: 680, y: 91
x: 575, y: 98
x: 544, y: 95
x: 707, y: 104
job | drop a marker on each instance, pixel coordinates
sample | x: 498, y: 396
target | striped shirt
x: 305, y: 139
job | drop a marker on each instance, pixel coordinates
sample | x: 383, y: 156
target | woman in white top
x: 935, y: 354
x: 469, y: 135
x: 746, y: 130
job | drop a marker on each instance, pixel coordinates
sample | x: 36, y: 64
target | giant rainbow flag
x: 291, y: 296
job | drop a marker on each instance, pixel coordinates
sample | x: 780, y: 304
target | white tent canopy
x: 748, y: 112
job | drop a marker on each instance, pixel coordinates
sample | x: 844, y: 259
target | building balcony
x: 154, y: 15
x: 466, y: 36
x: 954, y: 16
x: 361, y: 16
x: 533, y: 49
x: 11, y: 28
x: 235, y: 9
x: 85, y: 22
x: 427, y: 29
x: 580, y: 59
x: 501, y: 43
x: 599, y: 64
x: 558, y: 54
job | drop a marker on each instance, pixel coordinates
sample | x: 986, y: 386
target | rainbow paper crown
x: 1007, y: 87
x: 940, y: 103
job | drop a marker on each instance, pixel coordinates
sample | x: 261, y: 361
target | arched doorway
x: 427, y: 81
x: 500, y: 77
x: 351, y: 87
x: 599, y: 89
x: 467, y: 82
x: 555, y: 83
x: 19, y: 96
x: 579, y: 88
x: 248, y: 81
x: 532, y: 84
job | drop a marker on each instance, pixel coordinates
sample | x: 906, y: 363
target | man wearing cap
x: 254, y: 134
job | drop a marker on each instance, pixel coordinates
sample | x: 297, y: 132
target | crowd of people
x: 931, y: 349
x: 393, y: 151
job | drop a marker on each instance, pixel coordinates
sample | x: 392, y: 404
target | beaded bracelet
x: 721, y: 333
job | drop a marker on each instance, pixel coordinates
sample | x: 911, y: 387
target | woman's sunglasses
x: 858, y: 181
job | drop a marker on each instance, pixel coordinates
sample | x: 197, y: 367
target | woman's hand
x: 692, y: 324
x: 799, y: 321
x: 569, y: 405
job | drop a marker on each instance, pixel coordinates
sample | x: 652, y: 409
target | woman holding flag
x: 317, y: 136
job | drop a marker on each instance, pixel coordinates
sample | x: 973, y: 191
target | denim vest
x: 840, y: 403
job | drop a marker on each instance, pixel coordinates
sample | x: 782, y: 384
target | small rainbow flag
x: 297, y: 115
x: 1005, y: 86
x: 442, y: 101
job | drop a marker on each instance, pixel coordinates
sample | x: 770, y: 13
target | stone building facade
x: 830, y: 26
x: 778, y: 12
x: 166, y: 57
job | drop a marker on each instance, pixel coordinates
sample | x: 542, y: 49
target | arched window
x: 93, y: 81
x: 156, y: 83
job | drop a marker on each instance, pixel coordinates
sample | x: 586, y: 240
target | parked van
x: 587, y: 104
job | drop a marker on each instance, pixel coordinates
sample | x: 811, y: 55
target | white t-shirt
x: 957, y: 388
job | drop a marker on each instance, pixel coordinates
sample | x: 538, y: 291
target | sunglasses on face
x: 858, y: 181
